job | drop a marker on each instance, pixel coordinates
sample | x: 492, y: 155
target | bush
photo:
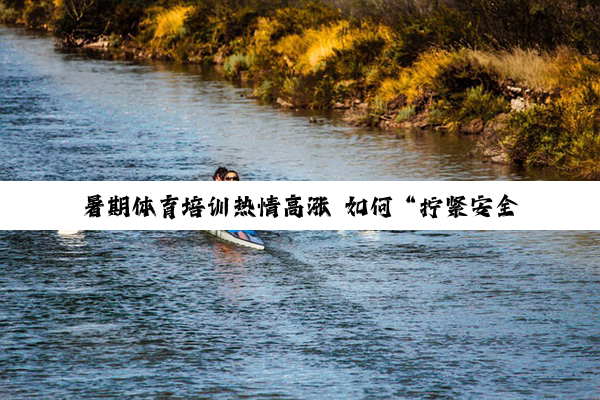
x: 234, y: 25
x: 437, y: 73
x: 9, y: 13
x: 405, y: 113
x: 479, y: 103
x: 82, y: 21
x: 563, y: 134
x: 169, y: 23
x: 235, y: 64
x: 294, y: 20
x: 38, y: 14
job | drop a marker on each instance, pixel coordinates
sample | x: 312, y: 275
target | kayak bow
x: 247, y: 240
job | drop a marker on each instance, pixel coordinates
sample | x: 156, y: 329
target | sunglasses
x: 232, y: 178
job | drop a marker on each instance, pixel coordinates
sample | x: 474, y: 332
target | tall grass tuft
x: 170, y: 23
x: 310, y: 51
x: 306, y: 51
x: 424, y: 76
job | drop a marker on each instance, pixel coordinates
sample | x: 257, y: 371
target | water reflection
x: 71, y: 239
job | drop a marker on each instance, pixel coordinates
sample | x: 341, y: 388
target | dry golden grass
x: 529, y: 68
x: 307, y: 51
x: 413, y: 81
x: 170, y: 22
x: 562, y: 69
x: 537, y: 70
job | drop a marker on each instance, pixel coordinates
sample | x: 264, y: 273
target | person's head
x: 231, y: 175
x: 220, y: 174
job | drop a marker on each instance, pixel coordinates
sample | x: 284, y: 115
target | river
x: 319, y: 314
x: 72, y: 116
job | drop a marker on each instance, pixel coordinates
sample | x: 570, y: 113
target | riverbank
x: 531, y: 107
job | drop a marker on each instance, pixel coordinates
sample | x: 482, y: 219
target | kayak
x: 67, y: 232
x: 250, y: 240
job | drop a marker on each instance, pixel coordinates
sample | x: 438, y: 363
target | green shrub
x: 405, y: 113
x: 564, y: 134
x: 479, y: 103
x: 266, y: 91
x: 235, y: 64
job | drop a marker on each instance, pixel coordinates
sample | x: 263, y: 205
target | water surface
x: 319, y: 314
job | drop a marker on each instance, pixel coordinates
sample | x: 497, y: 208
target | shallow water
x: 319, y: 314
x: 69, y: 116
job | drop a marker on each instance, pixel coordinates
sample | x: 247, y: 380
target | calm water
x: 319, y: 314
x: 66, y: 116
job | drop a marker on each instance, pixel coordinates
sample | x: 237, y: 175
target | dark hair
x: 225, y: 174
x: 220, y: 172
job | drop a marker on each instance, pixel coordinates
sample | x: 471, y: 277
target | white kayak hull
x: 254, y: 242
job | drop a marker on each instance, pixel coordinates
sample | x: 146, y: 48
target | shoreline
x: 495, y: 129
x: 529, y: 107
x: 358, y: 113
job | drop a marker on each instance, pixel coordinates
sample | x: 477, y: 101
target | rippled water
x: 319, y: 314
x: 66, y: 116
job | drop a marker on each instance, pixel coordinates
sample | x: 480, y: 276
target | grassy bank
x: 523, y: 74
